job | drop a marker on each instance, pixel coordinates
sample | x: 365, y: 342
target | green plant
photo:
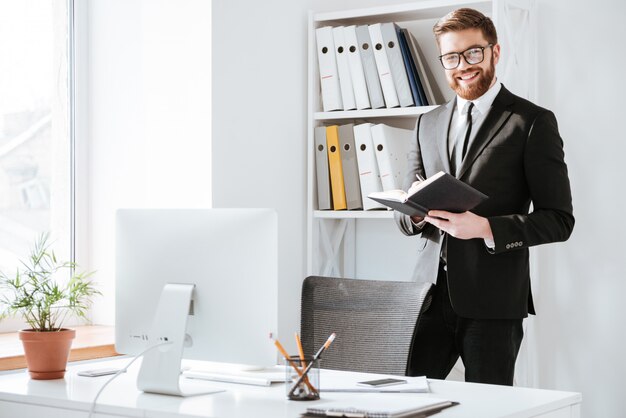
x: 35, y: 295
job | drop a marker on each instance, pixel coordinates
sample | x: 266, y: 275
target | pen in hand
x: 416, y: 184
x: 412, y: 189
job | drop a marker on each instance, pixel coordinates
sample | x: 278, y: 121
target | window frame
x: 76, y: 235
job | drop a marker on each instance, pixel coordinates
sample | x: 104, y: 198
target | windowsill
x: 91, y: 342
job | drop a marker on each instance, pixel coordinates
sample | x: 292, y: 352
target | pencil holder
x: 300, y: 388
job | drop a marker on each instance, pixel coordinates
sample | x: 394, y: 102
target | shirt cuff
x: 490, y: 244
x: 417, y: 226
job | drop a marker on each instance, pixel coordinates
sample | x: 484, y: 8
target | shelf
x: 428, y: 9
x: 398, y: 112
x: 336, y: 244
x: 353, y: 214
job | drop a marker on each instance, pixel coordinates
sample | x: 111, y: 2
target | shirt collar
x: 483, y: 103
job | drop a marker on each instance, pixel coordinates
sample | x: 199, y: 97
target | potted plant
x: 35, y: 293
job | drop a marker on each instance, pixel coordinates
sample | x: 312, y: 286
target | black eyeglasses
x: 473, y: 55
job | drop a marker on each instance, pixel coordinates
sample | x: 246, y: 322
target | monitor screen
x: 229, y: 255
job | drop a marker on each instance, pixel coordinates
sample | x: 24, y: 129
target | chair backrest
x: 374, y: 321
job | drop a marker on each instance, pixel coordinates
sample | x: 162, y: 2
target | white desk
x: 71, y: 398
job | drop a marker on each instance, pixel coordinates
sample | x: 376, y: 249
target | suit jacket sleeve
x: 552, y: 218
x: 414, y: 166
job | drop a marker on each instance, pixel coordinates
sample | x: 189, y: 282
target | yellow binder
x: 336, y: 171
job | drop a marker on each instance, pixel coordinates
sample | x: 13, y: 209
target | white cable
x: 119, y: 372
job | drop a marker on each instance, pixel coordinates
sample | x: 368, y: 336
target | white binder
x: 356, y: 68
x: 392, y: 149
x: 321, y: 170
x: 366, y: 50
x: 369, y: 177
x: 345, y: 78
x: 329, y: 76
x: 396, y: 64
x: 350, y: 167
x: 382, y: 65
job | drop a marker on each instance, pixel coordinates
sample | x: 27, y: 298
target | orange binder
x: 337, y: 187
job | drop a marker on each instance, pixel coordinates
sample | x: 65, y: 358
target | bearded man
x: 509, y: 149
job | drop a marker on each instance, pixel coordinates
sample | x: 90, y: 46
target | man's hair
x: 466, y: 18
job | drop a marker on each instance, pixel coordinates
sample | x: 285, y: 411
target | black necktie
x: 469, y: 130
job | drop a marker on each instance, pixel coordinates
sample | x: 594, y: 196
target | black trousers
x: 488, y: 347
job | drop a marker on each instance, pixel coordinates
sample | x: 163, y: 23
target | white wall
x: 148, y: 78
x: 259, y: 124
x: 580, y: 340
x: 150, y: 129
x: 259, y: 137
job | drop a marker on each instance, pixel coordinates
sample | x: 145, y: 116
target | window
x: 36, y: 158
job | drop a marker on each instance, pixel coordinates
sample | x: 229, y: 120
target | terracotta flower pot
x: 47, y: 352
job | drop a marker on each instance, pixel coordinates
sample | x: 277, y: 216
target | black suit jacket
x: 515, y: 158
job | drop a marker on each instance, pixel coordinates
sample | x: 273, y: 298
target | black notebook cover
x: 443, y: 193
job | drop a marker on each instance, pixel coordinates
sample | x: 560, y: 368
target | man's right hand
x: 413, y: 189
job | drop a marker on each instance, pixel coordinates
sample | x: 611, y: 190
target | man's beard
x: 476, y: 89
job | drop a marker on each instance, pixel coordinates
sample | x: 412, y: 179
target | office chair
x: 374, y: 321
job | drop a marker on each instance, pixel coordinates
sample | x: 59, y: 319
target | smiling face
x: 470, y: 81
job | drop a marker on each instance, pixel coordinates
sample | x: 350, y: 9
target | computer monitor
x: 225, y: 260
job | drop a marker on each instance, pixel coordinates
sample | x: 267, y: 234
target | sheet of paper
x: 331, y: 382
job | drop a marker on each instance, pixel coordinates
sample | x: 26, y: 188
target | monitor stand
x: 160, y: 368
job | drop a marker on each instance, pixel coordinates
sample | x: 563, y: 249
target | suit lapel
x: 497, y: 117
x: 443, y: 127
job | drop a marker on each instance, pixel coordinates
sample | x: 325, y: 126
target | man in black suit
x: 509, y: 149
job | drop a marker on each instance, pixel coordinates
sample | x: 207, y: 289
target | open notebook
x: 380, y: 408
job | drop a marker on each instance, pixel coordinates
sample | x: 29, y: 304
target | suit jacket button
x: 521, y: 243
x: 508, y: 246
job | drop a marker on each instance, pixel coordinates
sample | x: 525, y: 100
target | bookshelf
x: 353, y: 214
x: 367, y: 244
x: 397, y: 112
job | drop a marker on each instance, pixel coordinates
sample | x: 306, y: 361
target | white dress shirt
x: 482, y: 106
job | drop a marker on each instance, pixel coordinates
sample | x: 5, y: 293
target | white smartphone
x: 381, y: 382
x: 98, y: 372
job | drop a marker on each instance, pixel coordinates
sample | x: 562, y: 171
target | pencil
x: 294, y: 365
x: 281, y: 348
x: 300, y: 350
x: 301, y: 354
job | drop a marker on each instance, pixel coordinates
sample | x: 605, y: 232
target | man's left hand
x: 466, y: 225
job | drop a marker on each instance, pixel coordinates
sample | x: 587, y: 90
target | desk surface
x: 71, y: 397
